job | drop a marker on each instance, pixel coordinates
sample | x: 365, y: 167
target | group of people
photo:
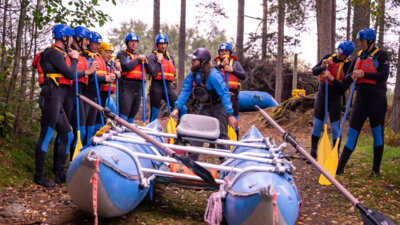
x: 79, y: 61
x: 370, y: 70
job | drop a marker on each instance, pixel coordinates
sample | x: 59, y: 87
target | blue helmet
x: 161, y: 38
x: 226, y: 46
x: 62, y: 30
x: 367, y: 34
x: 131, y: 37
x: 96, y: 37
x: 82, y: 32
x: 346, y: 48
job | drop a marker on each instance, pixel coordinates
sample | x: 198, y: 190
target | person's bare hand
x: 175, y: 113
x: 143, y: 58
x: 228, y: 69
x: 93, y: 67
x: 225, y: 61
x: 160, y: 57
x: 110, y: 77
x: 74, y: 54
x: 233, y: 122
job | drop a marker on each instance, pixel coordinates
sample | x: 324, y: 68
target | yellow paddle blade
x: 324, y: 147
x: 231, y: 134
x: 171, y: 128
x: 331, y: 164
x: 78, y: 145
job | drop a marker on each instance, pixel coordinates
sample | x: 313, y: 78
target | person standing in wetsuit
x: 130, y: 90
x: 59, y: 69
x: 371, y: 70
x: 158, y: 58
x: 226, y: 62
x: 210, y: 91
x: 338, y: 65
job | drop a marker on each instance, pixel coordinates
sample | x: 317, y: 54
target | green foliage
x: 74, y: 12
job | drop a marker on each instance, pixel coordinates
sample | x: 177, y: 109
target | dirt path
x: 172, y: 204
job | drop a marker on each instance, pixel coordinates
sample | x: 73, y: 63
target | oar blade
x: 78, y: 146
x: 372, y: 217
x: 331, y: 166
x: 231, y: 134
x: 111, y: 105
x: 197, y: 169
x: 324, y: 147
x: 171, y: 128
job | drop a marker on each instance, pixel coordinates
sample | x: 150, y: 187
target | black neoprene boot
x: 343, y: 160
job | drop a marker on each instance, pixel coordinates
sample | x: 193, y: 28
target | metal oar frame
x: 272, y: 156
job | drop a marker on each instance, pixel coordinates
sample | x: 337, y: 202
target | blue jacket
x: 215, y: 81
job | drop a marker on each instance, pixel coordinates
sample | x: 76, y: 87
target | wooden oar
x: 191, y: 164
x: 333, y: 159
x: 324, y: 145
x: 78, y: 145
x: 369, y: 216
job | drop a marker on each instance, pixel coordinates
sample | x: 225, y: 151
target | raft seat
x: 198, y: 126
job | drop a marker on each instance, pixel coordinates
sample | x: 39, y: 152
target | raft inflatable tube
x: 119, y: 190
x: 248, y: 99
x: 259, y: 197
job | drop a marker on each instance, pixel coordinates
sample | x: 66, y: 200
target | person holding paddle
x: 59, y: 68
x: 332, y: 68
x: 371, y: 70
x: 157, y: 59
x: 210, y: 92
x: 96, y: 79
x: 130, y: 90
x: 233, y: 71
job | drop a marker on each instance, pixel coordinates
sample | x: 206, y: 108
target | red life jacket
x: 36, y: 64
x: 82, y: 66
x: 168, y: 69
x: 104, y: 87
x: 58, y: 78
x: 136, y: 73
x: 335, y: 68
x: 233, y: 80
x: 367, y: 66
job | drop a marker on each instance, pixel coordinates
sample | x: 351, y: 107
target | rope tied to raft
x: 213, y: 214
x: 94, y: 181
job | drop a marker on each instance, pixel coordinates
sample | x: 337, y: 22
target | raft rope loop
x: 94, y: 181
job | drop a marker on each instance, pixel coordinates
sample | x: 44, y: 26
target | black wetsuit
x: 370, y: 102
x: 336, y: 90
x: 130, y: 90
x: 54, y: 118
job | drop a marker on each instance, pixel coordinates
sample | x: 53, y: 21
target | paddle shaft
x: 165, y: 89
x: 117, y: 92
x: 109, y: 83
x: 143, y: 95
x: 77, y: 103
x: 326, y: 97
x: 289, y: 138
x: 347, y: 108
x: 165, y: 149
x: 98, y: 95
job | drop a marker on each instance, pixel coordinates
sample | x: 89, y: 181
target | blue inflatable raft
x: 248, y: 99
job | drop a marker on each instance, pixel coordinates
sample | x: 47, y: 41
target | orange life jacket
x: 367, y: 66
x: 36, y: 64
x: 136, y: 73
x: 233, y: 80
x: 82, y: 66
x: 58, y: 78
x: 179, y: 168
x: 104, y: 87
x: 335, y: 68
x: 168, y: 69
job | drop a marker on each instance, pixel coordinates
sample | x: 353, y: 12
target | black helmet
x: 201, y: 54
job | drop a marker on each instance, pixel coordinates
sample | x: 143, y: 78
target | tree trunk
x: 325, y: 30
x: 17, y: 56
x: 361, y: 18
x: 381, y: 22
x: 279, y: 57
x: 264, y: 30
x: 240, y: 30
x: 156, y: 20
x: 394, y: 123
x: 33, y: 74
x: 3, y: 39
x: 333, y: 26
x: 181, y: 47
x: 348, y: 28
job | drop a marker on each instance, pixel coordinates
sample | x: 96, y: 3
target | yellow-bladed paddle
x: 231, y: 132
x: 324, y: 145
x: 333, y: 159
x: 171, y: 128
x: 78, y: 145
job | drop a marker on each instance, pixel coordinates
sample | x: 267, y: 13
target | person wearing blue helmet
x: 92, y: 116
x: 227, y: 63
x: 209, y: 91
x: 130, y: 89
x: 334, y: 66
x: 59, y: 70
x: 161, y: 57
x: 371, y: 70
